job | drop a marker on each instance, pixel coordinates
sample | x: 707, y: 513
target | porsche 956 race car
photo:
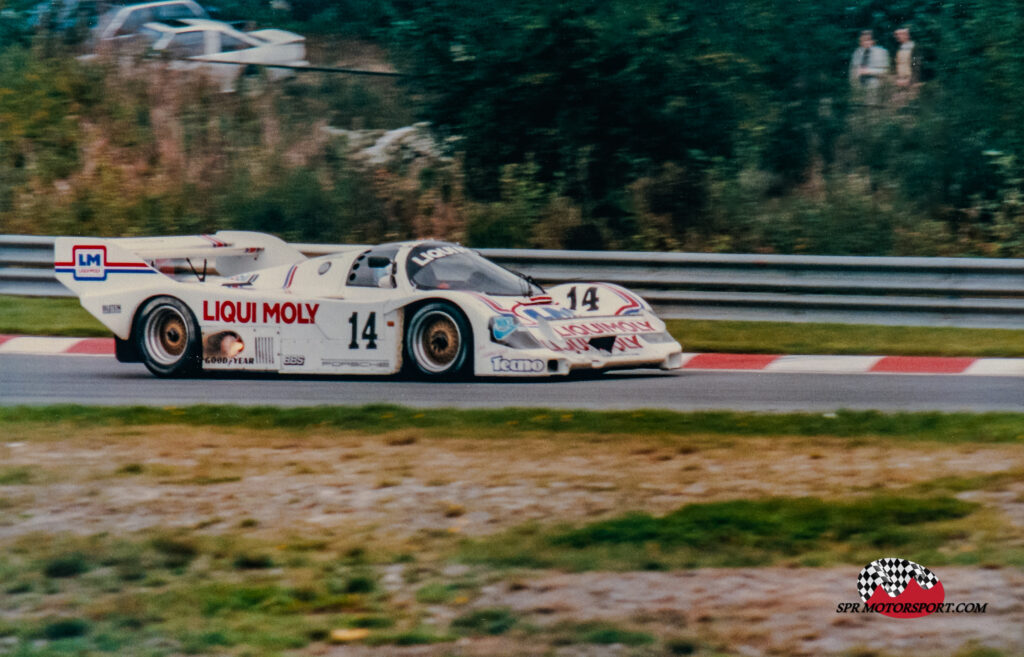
x: 249, y: 301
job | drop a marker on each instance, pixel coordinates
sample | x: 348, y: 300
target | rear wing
x: 111, y: 275
x: 82, y: 262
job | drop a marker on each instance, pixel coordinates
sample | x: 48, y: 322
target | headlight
x: 505, y: 330
x: 502, y: 326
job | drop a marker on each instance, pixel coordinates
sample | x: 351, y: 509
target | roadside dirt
x: 393, y: 489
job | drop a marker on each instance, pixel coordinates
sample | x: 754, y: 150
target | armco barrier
x: 969, y: 292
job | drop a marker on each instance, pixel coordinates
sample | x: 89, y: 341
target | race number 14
x: 369, y: 333
x: 589, y: 298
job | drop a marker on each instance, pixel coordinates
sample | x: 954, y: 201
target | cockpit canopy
x: 374, y: 267
x: 440, y: 266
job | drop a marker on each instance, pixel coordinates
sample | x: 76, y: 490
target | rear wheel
x: 438, y: 341
x: 167, y: 335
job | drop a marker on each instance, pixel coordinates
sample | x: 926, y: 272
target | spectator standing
x: 908, y: 67
x: 868, y: 67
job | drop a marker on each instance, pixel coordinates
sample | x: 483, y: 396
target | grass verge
x: 41, y: 316
x: 65, y: 317
x: 799, y: 338
x: 172, y: 593
x: 511, y: 422
x: 739, y: 533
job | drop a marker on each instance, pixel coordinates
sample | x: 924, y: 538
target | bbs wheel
x: 438, y: 341
x: 167, y: 335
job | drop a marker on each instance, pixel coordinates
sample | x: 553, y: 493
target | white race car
x: 249, y: 301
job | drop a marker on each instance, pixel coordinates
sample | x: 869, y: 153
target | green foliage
x: 587, y: 124
x: 485, y: 621
x: 222, y: 597
x: 437, y: 593
x: 681, y: 646
x: 86, y: 149
x: 203, y: 611
x: 373, y: 622
x: 511, y: 422
x: 740, y: 533
x: 507, y: 222
x: 672, y: 99
x: 360, y: 584
x: 18, y: 476
x: 204, y: 642
x: 65, y: 628
x: 780, y: 526
x: 175, y: 552
x: 247, y: 561
x: 600, y: 633
x: 67, y: 565
x: 413, y: 637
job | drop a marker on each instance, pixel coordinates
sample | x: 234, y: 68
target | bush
x: 66, y: 628
x: 485, y: 621
x: 775, y: 525
x: 69, y: 565
x: 247, y: 561
x: 360, y: 584
x: 176, y: 552
x: 602, y: 634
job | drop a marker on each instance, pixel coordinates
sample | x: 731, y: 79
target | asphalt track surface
x: 99, y: 380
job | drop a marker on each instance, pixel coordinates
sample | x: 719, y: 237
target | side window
x: 229, y: 43
x: 374, y: 268
x: 134, y: 21
x: 186, y: 44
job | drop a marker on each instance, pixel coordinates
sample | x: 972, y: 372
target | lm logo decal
x: 89, y: 263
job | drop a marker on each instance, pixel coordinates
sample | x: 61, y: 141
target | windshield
x: 178, y: 10
x: 439, y: 266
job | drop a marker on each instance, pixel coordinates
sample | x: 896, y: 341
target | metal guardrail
x: 966, y: 292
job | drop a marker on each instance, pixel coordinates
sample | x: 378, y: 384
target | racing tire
x: 439, y: 342
x: 167, y: 335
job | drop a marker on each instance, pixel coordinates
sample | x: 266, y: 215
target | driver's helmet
x: 382, y: 275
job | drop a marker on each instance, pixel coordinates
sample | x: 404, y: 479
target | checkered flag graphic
x: 893, y: 575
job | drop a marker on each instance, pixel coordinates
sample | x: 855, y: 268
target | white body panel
x: 288, y: 313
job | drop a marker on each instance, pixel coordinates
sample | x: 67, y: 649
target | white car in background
x: 124, y: 23
x: 221, y: 51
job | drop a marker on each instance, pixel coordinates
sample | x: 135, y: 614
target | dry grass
x: 327, y: 482
x: 263, y: 540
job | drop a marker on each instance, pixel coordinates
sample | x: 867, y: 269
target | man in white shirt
x: 868, y: 67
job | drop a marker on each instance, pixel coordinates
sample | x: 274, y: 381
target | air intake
x: 604, y: 344
x: 264, y: 351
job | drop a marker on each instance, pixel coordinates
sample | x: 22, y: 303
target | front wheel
x: 439, y: 342
x: 167, y: 336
